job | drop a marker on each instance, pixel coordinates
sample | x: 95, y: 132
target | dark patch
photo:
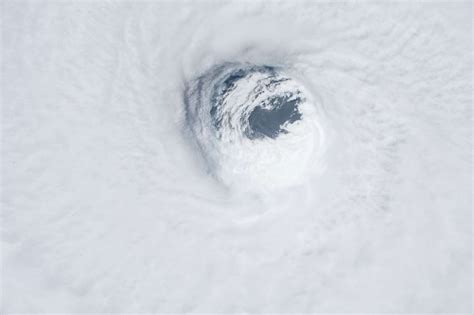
x: 265, y: 122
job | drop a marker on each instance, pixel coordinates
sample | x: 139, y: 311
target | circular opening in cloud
x: 257, y: 127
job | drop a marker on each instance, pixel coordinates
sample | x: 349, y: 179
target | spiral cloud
x: 254, y: 157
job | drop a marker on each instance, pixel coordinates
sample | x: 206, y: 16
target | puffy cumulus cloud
x: 236, y: 156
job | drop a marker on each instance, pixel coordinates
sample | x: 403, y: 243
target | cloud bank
x: 118, y: 196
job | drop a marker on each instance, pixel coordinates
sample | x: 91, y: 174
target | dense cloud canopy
x: 236, y: 156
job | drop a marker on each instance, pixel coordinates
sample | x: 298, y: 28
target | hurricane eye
x: 251, y: 120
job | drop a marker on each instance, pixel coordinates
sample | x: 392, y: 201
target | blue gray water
x: 268, y: 118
